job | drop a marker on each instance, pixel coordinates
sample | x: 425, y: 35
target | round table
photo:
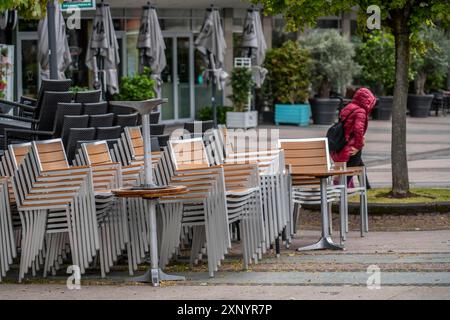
x: 325, y: 242
x: 154, y: 274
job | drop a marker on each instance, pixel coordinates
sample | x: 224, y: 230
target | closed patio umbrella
x: 151, y: 46
x: 102, y: 54
x: 211, y: 44
x: 253, y: 40
x: 62, y: 52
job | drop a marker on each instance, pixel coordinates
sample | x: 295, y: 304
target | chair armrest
x: 24, y: 119
x: 34, y: 132
x: 25, y: 100
x: 17, y: 105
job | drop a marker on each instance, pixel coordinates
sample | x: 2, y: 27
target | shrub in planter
x: 241, y: 84
x: 136, y: 88
x: 288, y: 82
x: 431, y: 60
x: 333, y: 69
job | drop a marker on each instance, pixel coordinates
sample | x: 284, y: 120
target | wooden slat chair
x: 35, y: 196
x: 113, y: 226
x: 12, y: 158
x: 306, y: 155
x: 203, y: 209
x: 51, y: 165
x: 273, y: 182
x: 134, y: 226
x: 109, y: 214
x: 7, y: 239
x: 242, y: 192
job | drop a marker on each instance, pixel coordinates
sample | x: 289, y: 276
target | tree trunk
x: 419, y: 83
x: 324, y: 90
x: 400, y: 179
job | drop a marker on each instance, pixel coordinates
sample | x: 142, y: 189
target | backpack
x: 336, y: 135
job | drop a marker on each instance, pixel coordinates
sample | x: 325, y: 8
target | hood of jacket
x: 364, y: 99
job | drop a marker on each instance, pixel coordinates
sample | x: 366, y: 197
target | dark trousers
x: 356, y: 161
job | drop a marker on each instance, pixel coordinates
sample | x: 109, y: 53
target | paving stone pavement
x: 412, y: 265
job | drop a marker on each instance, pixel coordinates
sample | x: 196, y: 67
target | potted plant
x: 333, y: 69
x: 136, y: 88
x: 430, y: 60
x: 287, y: 82
x: 241, y: 84
x: 376, y: 55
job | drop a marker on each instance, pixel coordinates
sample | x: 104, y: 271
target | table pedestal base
x: 154, y: 276
x: 323, y: 243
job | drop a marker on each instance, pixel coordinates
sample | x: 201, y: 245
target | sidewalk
x: 413, y: 265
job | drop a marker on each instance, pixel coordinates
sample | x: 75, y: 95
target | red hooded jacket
x: 356, y: 116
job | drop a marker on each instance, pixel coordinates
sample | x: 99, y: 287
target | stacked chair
x: 238, y: 197
x: 7, y: 247
x: 274, y: 183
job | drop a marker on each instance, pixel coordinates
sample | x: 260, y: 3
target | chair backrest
x: 157, y: 129
x: 101, y: 120
x: 65, y: 109
x: 48, y: 109
x: 162, y: 140
x: 188, y: 153
x: 104, y: 133
x: 50, y: 154
x: 135, y: 141
x: 75, y: 135
x: 96, y: 152
x: 198, y: 125
x: 305, y: 155
x: 95, y: 108
x: 90, y: 96
x: 69, y: 122
x: 50, y: 85
x: 126, y: 120
x: 18, y: 152
x: 154, y: 117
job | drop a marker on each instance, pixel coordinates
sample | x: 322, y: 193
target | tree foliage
x: 28, y: 9
x: 376, y: 55
x: 301, y: 13
x: 333, y: 64
x: 432, y: 59
x: 289, y: 73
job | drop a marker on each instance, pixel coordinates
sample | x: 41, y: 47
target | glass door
x: 28, y: 70
x: 178, y: 78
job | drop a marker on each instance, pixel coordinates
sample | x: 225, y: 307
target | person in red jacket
x: 356, y: 117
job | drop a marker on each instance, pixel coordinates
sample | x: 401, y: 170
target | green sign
x: 78, y: 4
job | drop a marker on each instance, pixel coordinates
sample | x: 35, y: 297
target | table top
x: 142, y: 107
x: 150, y: 194
x: 323, y: 173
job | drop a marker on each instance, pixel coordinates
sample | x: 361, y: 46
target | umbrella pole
x: 213, y: 101
x: 53, y: 63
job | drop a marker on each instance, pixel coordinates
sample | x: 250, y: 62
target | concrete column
x: 228, y: 33
x: 267, y: 29
x: 346, y: 24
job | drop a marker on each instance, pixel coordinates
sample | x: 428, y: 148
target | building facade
x: 180, y: 21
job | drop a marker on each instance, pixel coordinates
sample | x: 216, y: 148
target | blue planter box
x: 292, y: 113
